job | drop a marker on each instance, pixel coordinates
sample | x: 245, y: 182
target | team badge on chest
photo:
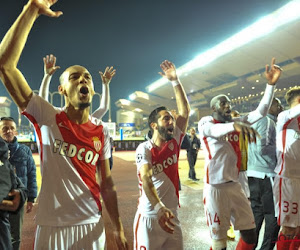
x: 171, y: 146
x: 97, y: 143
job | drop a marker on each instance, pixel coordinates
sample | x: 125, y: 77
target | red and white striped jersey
x: 165, y: 176
x: 69, y: 154
x: 288, y: 143
x: 221, y: 142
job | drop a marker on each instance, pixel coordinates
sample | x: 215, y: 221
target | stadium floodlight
x: 262, y: 27
x: 132, y: 97
x: 124, y: 102
x: 192, y: 112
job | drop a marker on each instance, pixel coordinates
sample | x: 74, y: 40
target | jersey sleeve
x: 208, y: 128
x: 39, y: 110
x: 143, y: 155
x: 263, y: 107
x: 106, y: 147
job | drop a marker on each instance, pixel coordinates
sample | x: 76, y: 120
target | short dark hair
x: 292, y: 94
x: 153, y: 117
x: 7, y: 118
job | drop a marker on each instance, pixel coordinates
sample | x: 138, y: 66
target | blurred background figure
x: 192, y: 145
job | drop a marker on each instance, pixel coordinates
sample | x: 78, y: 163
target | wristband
x: 158, y: 206
x: 175, y: 83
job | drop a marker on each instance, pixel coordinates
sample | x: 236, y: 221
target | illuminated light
x: 260, y: 28
x: 284, y: 88
x: 245, y: 96
x: 172, y: 97
x: 261, y: 93
x: 257, y: 80
x: 192, y: 91
x: 253, y: 87
x: 243, y: 87
x: 143, y: 95
x: 192, y: 112
x: 138, y: 110
x: 228, y: 93
x: 132, y: 97
x: 145, y: 118
x: 239, y: 98
x: 125, y: 102
x: 249, y: 95
x: 276, y: 90
x: 257, y: 94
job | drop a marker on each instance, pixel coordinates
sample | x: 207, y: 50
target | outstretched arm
x: 12, y: 46
x: 169, y: 72
x: 49, y: 70
x: 106, y: 78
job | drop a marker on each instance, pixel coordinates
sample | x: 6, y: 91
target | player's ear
x: 61, y: 90
x: 153, y: 125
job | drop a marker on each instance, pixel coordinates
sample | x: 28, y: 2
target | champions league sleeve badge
x: 139, y: 158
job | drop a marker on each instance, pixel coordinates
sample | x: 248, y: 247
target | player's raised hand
x: 49, y: 65
x: 107, y: 75
x: 169, y: 71
x: 246, y: 131
x: 272, y: 73
x: 164, y: 219
x: 44, y: 7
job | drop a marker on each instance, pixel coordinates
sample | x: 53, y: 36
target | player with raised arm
x: 50, y: 68
x: 156, y: 224
x: 72, y: 148
x: 224, y: 199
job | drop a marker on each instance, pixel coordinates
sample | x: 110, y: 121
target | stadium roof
x: 236, y: 66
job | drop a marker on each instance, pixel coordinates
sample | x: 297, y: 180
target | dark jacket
x: 191, y: 146
x: 21, y: 158
x: 8, y: 181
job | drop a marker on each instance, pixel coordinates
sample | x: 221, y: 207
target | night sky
x: 134, y: 36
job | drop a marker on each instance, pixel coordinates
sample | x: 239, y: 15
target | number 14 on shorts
x: 213, y: 218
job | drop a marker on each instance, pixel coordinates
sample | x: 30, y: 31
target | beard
x: 221, y: 117
x: 84, y: 105
x: 163, y: 132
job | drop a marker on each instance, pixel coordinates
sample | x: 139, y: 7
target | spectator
x: 192, y: 152
x: 13, y: 195
x: 261, y: 164
x: 21, y: 158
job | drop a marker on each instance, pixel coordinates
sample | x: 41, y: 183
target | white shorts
x: 149, y: 235
x: 243, y: 179
x: 88, y: 237
x: 287, y: 201
x: 225, y: 203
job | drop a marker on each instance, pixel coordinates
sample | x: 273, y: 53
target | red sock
x: 283, y: 243
x: 242, y: 245
x: 295, y: 244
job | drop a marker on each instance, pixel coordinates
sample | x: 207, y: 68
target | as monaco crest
x: 97, y: 143
x: 171, y: 146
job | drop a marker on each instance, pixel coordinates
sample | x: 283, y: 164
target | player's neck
x: 78, y: 116
x: 158, y: 141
